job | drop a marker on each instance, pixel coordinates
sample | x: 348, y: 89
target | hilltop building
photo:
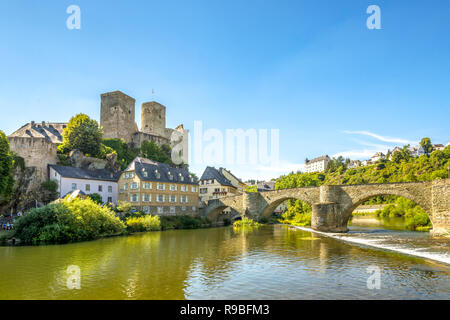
x: 158, y: 188
x: 36, y: 142
x: 354, y: 164
x: 265, y: 186
x: 317, y: 164
x: 117, y: 118
x: 377, y: 156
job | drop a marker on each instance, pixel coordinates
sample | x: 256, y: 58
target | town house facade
x: 157, y: 188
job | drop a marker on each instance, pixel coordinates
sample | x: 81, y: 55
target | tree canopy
x: 150, y: 150
x: 84, y: 134
x: 426, y: 145
x: 6, y: 167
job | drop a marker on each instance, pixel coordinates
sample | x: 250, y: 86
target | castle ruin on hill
x: 36, y: 142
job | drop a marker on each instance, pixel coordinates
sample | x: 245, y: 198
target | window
x: 100, y: 188
x: 128, y: 175
x: 183, y: 208
x: 203, y: 190
x: 134, y: 186
x: 194, y: 208
x: 147, y: 185
x: 146, y: 209
x: 74, y: 186
x: 172, y: 198
x: 160, y: 198
x: 134, y: 197
x: 172, y: 209
x: 110, y: 200
x: 183, y: 199
x: 217, y: 190
x: 194, y: 189
x: 146, y: 197
x: 160, y: 186
x: 170, y: 176
x: 183, y: 188
x: 181, y: 177
x: 157, y: 174
x: 88, y: 187
x: 160, y: 210
x: 125, y: 186
x: 110, y: 189
x: 173, y: 187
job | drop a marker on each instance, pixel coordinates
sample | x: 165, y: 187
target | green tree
x: 6, y: 168
x: 125, y: 154
x: 150, y: 150
x: 426, y: 145
x: 96, y: 198
x: 84, y: 134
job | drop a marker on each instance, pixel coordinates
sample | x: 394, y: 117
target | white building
x: 377, y: 156
x: 366, y: 163
x: 438, y: 147
x: 317, y: 164
x: 354, y: 164
x: 416, y: 151
x: 102, y: 182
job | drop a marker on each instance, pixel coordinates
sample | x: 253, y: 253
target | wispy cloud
x: 381, y: 138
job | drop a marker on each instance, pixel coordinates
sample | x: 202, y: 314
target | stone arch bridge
x: 332, y: 205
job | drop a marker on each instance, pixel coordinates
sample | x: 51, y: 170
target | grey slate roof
x: 317, y: 159
x: 52, y: 131
x: 78, y: 173
x: 142, y: 165
x: 266, y: 186
x: 213, y: 173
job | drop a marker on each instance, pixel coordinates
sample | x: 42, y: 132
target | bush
x: 143, y: 223
x: 298, y: 214
x: 183, y: 222
x: 96, y: 198
x: 246, y: 222
x: 68, y: 221
x: 415, y: 217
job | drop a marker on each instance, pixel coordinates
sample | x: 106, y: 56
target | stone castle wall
x: 37, y: 152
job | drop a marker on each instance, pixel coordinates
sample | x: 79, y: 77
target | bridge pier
x: 328, y: 217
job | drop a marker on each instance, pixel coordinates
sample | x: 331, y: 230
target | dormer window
x: 157, y: 174
x: 170, y: 176
x: 181, y: 177
x: 144, y: 172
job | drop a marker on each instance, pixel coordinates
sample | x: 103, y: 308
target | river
x: 270, y: 262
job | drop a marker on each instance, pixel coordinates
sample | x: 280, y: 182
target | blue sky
x: 311, y: 69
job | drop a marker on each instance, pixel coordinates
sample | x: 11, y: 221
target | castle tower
x: 153, y: 118
x: 117, y: 115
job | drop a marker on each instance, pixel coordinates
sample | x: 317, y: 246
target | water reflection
x: 270, y: 262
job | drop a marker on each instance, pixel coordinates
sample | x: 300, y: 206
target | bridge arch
x: 215, y: 207
x: 272, y: 199
x: 359, y: 195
